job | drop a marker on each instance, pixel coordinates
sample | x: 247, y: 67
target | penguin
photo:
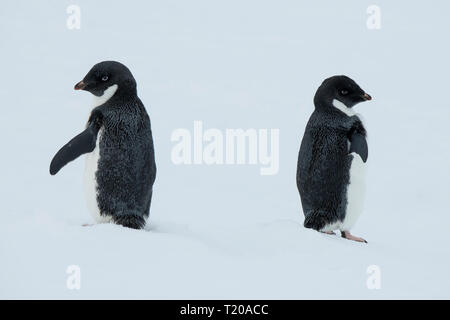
x: 120, y: 167
x: 332, y: 159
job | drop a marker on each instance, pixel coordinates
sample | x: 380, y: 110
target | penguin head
x: 108, y: 76
x: 342, y: 89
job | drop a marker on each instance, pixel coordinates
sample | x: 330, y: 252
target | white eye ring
x: 105, y: 78
x: 344, y: 92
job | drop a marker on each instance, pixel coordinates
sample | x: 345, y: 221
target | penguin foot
x: 349, y: 236
x: 328, y: 232
x: 87, y: 225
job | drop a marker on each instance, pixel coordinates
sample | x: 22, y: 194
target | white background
x: 226, y: 231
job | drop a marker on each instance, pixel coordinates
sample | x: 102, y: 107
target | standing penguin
x: 120, y: 161
x: 332, y: 159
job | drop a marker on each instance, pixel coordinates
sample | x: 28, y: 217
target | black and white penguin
x: 120, y: 162
x: 332, y: 159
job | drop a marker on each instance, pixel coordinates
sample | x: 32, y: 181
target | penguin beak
x: 80, y: 85
x: 367, y: 97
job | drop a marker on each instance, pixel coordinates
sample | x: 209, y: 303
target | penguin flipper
x: 83, y: 143
x: 358, y: 144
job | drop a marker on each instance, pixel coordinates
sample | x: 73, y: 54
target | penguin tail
x: 316, y: 219
x: 132, y: 221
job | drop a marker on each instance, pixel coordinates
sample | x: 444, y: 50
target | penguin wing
x: 358, y: 144
x: 83, y: 143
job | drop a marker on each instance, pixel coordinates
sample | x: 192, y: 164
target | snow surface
x: 226, y: 231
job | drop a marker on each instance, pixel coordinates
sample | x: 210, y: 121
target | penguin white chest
x: 355, y: 192
x: 90, y: 182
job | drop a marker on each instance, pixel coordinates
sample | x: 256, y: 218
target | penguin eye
x: 344, y: 92
x: 105, y: 78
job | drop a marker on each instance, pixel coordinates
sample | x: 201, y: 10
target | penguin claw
x: 87, y: 225
x: 347, y: 235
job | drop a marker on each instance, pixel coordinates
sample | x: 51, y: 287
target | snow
x: 225, y: 231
